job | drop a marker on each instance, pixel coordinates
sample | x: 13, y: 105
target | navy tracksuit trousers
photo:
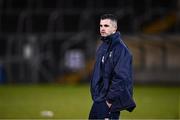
x: 100, y: 110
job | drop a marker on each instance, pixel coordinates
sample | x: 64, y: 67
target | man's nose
x: 102, y: 28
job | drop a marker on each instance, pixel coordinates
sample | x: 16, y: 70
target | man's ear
x: 115, y: 28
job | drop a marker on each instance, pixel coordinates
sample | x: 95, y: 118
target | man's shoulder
x: 121, y: 47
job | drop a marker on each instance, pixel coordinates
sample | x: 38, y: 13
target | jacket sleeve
x: 120, y: 92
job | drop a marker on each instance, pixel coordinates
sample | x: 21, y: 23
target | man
x: 111, y: 83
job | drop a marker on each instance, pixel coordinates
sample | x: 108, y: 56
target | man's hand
x: 108, y: 104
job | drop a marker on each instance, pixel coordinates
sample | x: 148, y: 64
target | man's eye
x: 100, y: 25
x: 106, y: 25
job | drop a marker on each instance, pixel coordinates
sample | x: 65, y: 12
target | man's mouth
x: 103, y: 32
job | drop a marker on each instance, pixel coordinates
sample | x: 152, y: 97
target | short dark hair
x: 109, y: 16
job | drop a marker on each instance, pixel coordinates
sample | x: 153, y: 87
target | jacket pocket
x: 124, y: 102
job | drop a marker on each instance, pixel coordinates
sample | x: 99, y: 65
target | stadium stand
x: 35, y: 35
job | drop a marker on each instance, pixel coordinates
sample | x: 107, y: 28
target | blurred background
x: 47, y: 50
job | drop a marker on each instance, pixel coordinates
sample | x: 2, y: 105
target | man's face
x: 107, y: 27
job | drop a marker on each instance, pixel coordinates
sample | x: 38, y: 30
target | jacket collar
x: 111, y: 38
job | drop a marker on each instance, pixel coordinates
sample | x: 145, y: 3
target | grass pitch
x: 74, y: 102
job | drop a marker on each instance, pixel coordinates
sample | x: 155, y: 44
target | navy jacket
x: 112, y: 78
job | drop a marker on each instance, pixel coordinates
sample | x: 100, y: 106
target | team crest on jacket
x: 102, y: 59
x: 110, y: 55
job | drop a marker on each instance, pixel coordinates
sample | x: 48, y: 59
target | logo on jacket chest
x: 109, y: 56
